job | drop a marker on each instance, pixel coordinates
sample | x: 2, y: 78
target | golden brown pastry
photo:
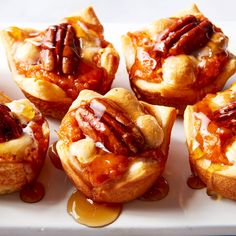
x: 24, y: 137
x: 113, y: 147
x: 210, y: 128
x: 178, y: 60
x: 52, y: 66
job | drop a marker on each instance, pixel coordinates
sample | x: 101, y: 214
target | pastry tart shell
x: 175, y: 85
x: 22, y: 159
x: 133, y: 183
x: 222, y: 179
x: 49, y: 96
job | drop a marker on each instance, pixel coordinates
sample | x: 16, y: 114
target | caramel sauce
x: 92, y: 214
x: 195, y: 182
x: 36, y: 126
x: 158, y: 191
x: 32, y: 193
x: 54, y: 157
x: 213, y: 195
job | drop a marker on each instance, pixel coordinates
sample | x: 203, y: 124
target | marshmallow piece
x: 84, y: 150
x: 23, y: 109
x: 231, y: 152
x: 27, y: 52
x: 151, y: 130
x: 179, y: 70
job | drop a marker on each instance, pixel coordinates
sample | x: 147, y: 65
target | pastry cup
x: 52, y: 90
x: 22, y: 158
x: 176, y: 73
x: 144, y: 167
x: 215, y: 167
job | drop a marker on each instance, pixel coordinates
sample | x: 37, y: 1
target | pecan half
x: 10, y: 127
x: 186, y: 35
x: 60, y: 49
x: 105, y: 122
x: 226, y: 116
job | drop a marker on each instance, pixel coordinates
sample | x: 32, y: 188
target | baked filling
x: 215, y: 128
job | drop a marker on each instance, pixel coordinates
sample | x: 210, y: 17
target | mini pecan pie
x: 178, y: 60
x: 114, y: 147
x: 210, y: 128
x: 52, y: 66
x: 24, y: 137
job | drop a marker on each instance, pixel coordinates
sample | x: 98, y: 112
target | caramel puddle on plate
x: 195, y: 182
x: 158, y: 191
x: 54, y: 157
x: 35, y: 192
x: 213, y: 195
x: 92, y: 214
x: 82, y: 209
x: 32, y: 193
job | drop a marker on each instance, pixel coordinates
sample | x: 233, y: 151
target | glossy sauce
x: 213, y: 194
x: 92, y: 214
x: 32, y: 193
x: 158, y: 191
x: 54, y: 157
x: 195, y: 182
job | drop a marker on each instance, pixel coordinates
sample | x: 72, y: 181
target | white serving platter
x: 183, y: 212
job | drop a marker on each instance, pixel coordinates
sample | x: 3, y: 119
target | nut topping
x: 226, y: 116
x: 188, y: 34
x: 10, y: 127
x: 105, y: 122
x: 60, y: 49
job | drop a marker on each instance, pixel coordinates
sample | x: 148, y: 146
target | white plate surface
x: 183, y: 212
